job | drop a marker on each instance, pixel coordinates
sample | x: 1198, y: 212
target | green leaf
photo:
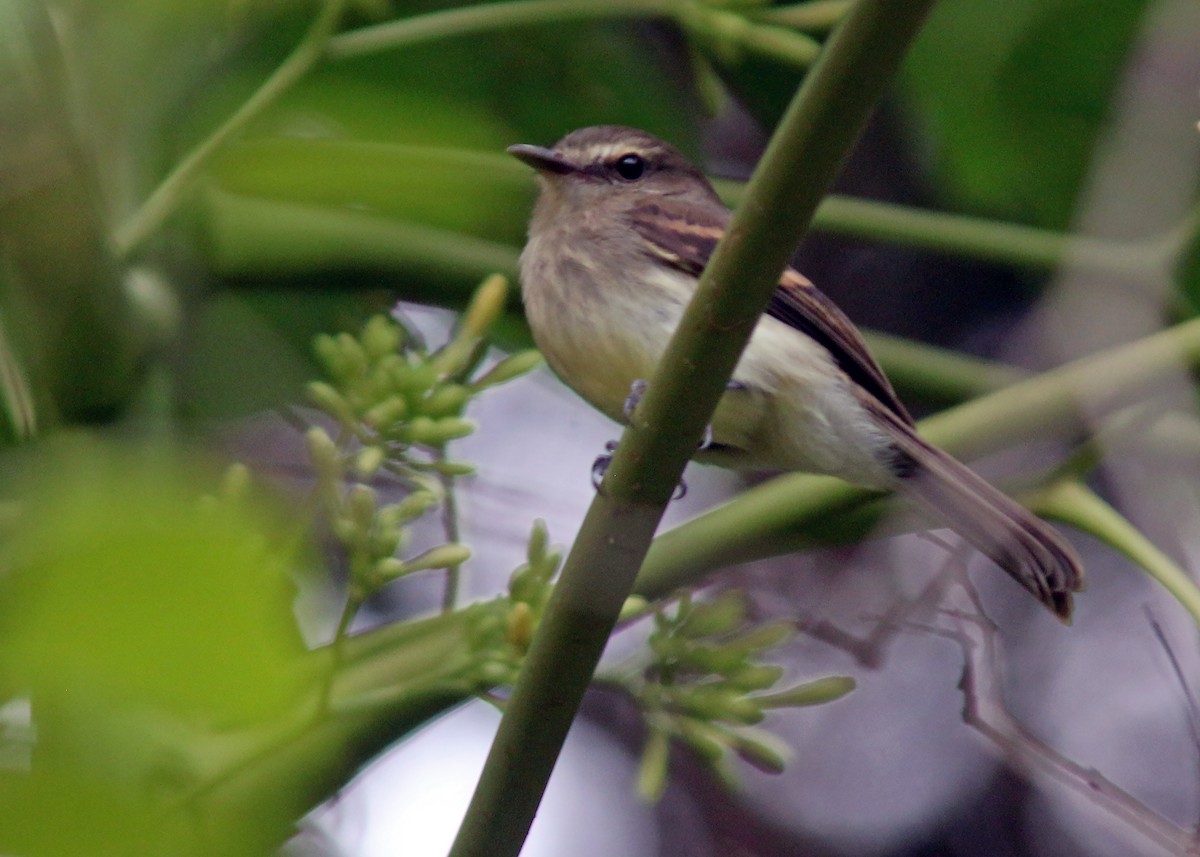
x: 1013, y: 102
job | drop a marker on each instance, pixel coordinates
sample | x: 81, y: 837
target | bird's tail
x: 1026, y: 547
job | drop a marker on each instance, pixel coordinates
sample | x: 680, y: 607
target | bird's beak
x: 541, y: 159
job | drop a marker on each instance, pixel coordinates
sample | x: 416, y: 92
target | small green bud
x: 518, y: 630
x: 346, y: 531
x: 709, y: 703
x: 326, y: 349
x: 410, y: 508
x: 354, y: 358
x: 708, y: 741
x: 388, y: 569
x: 415, y: 379
x: 420, y: 430
x: 452, y: 468
x: 513, y: 366
x: 712, y: 618
x: 763, y: 637
x: 710, y: 658
x: 324, y: 453
x: 761, y: 750
x: 810, y: 693
x: 328, y: 399
x: 385, y: 543
x: 432, y: 432
x: 442, y: 556
x: 361, y: 503
x: 523, y: 585
x: 390, y: 410
x: 755, y: 677
x: 539, y: 540
x: 380, y: 336
x: 634, y: 606
x: 652, y: 772
x: 453, y: 428
x: 446, y: 401
x: 487, y: 304
x: 493, y: 673
x: 368, y: 460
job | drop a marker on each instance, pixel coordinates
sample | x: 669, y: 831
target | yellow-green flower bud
x: 755, y: 677
x: 519, y: 625
x: 762, y: 750
x: 324, y: 453
x: 720, y: 616
x: 388, y: 569
x: 447, y: 400
x: 353, y: 356
x: 810, y: 693
x: 487, y: 304
x: 510, y: 367
x: 391, y: 410
x: 361, y: 504
x: 368, y: 460
x: 328, y: 399
x: 442, y: 556
x: 380, y: 336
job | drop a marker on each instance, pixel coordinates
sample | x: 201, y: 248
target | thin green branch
x: 486, y: 17
x: 814, y: 135
x: 166, y: 197
x: 1075, y: 504
x: 980, y: 238
x: 450, y: 529
x: 728, y: 29
x: 815, y: 15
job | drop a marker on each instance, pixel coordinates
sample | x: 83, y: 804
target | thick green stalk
x: 814, y: 135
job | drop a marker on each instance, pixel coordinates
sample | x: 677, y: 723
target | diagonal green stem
x: 817, y: 130
x: 128, y: 237
x: 1075, y: 504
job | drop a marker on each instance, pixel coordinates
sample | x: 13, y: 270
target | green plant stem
x: 1074, y: 503
x: 778, y: 43
x: 814, y: 15
x: 129, y: 236
x: 451, y: 531
x: 485, y: 17
x: 981, y: 238
x: 796, y: 510
x: 388, y: 683
x: 817, y: 130
x: 938, y: 376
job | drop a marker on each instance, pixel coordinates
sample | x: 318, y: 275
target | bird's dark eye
x: 630, y: 167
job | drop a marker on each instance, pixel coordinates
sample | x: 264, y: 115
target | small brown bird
x: 623, y: 227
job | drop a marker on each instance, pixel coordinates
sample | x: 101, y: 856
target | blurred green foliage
x: 1012, y: 102
x: 132, y: 609
x: 135, y: 608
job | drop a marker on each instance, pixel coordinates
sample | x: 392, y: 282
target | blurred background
x: 134, y: 366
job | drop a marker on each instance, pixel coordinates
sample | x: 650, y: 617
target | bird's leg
x: 600, y: 465
x: 636, y: 390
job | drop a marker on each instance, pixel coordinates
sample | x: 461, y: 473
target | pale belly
x: 788, y: 408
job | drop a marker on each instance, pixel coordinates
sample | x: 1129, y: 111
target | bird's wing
x: 684, y: 236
